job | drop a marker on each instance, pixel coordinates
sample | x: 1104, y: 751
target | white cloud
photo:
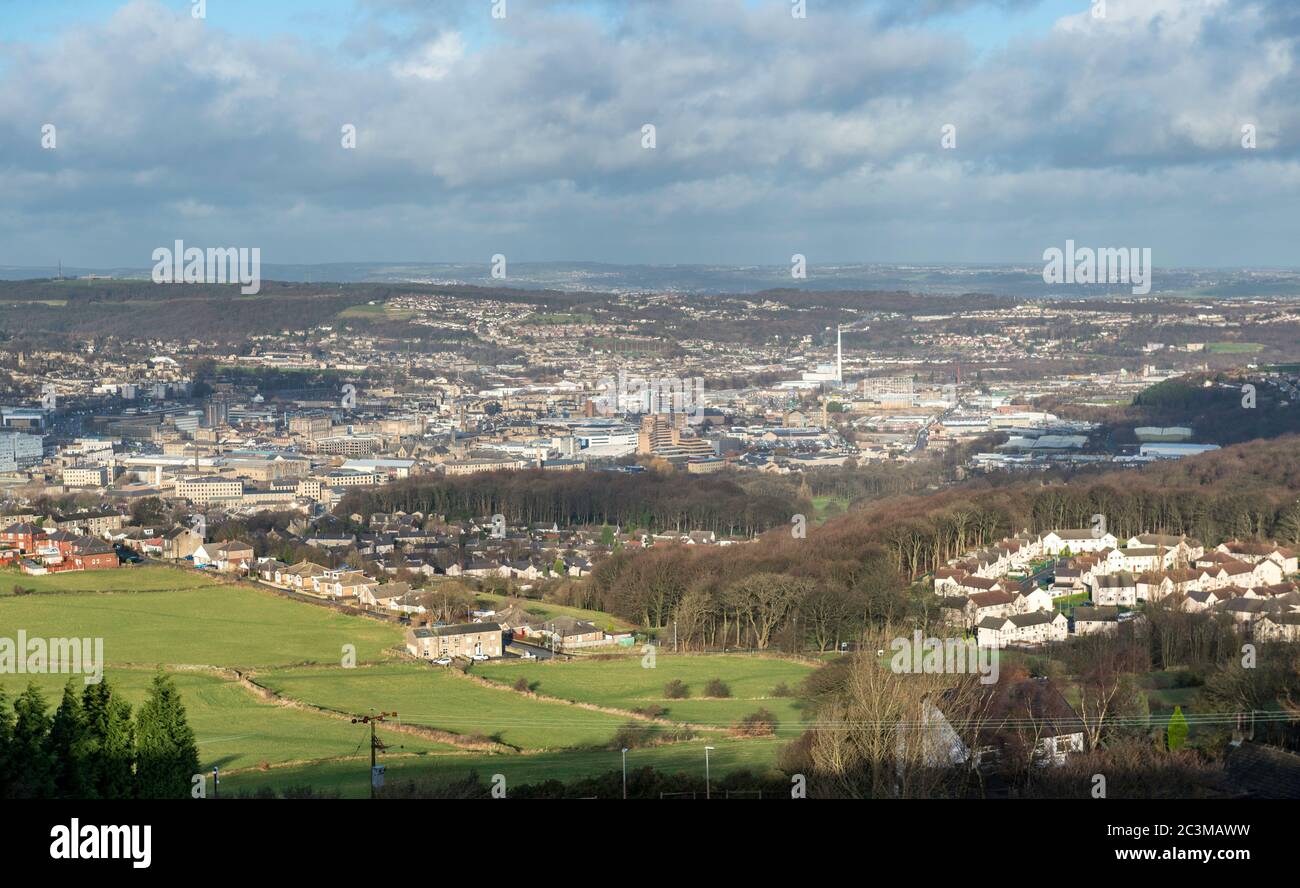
x: 829, y: 127
x: 435, y: 60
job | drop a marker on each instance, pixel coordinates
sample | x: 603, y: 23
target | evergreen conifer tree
x: 167, y: 757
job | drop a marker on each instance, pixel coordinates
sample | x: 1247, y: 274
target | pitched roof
x: 1034, y: 618
x: 1119, y: 580
x: 1104, y: 614
x: 462, y: 629
x: 1264, y: 771
x: 1085, y: 533
x: 991, y: 599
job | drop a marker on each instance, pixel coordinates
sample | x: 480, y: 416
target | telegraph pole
x: 375, y: 743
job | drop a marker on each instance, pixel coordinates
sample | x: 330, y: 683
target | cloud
x: 523, y: 135
x: 435, y: 59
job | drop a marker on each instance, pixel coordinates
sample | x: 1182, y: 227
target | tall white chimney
x: 839, y: 353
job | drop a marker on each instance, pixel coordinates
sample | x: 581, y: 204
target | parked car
x: 442, y: 661
x: 479, y: 657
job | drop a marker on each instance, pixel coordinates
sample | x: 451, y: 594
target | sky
x: 1112, y: 123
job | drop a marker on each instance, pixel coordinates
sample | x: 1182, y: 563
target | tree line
x: 93, y: 747
x: 869, y: 566
x: 649, y: 500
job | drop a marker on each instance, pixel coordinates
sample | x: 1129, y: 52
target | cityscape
x: 527, y: 400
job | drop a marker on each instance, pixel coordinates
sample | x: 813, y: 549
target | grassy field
x: 1232, y: 348
x: 218, y: 625
x: 234, y: 729
x: 829, y: 506
x: 541, y: 319
x: 433, y: 697
x: 608, y: 622
x: 625, y: 684
x: 351, y: 778
x: 1067, y: 603
x: 125, y: 579
x: 158, y: 615
x: 1163, y: 694
x: 379, y: 312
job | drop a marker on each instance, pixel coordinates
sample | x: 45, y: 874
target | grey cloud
x: 824, y: 131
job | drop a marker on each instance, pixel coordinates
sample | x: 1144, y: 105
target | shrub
x: 676, y: 690
x: 757, y: 724
x: 632, y: 736
x: 652, y: 710
x: 468, y: 787
x: 782, y: 690
x: 305, y: 791
x: 521, y: 685
x: 717, y: 688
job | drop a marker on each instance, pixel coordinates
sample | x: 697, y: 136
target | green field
x: 1232, y: 348
x: 125, y: 579
x: 379, y: 312
x: 547, y: 611
x: 434, y: 697
x: 214, y: 624
x: 625, y: 684
x: 828, y: 506
x: 542, y: 319
x: 1067, y: 603
x: 350, y: 778
x: 156, y: 615
x: 234, y: 729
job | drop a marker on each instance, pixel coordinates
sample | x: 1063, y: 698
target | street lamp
x: 707, y: 749
x: 624, y: 772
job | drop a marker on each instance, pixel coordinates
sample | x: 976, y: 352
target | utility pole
x: 375, y: 743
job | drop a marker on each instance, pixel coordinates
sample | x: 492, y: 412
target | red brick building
x: 23, y: 536
x: 91, y: 554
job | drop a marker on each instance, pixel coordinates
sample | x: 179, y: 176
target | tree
x: 768, y: 598
x: 167, y: 756
x: 1105, y: 664
x: 888, y: 736
x: 67, y: 745
x: 6, y: 743
x: 110, y: 743
x: 30, y: 762
x: 826, y: 614
x: 148, y: 510
x: 693, y: 614
x: 1177, y: 732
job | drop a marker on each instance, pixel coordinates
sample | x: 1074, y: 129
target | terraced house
x: 460, y: 640
x: 1033, y: 628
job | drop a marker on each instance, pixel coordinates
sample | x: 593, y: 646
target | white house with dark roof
x: 1117, y: 589
x: 1077, y: 540
x: 1033, y: 628
x: 1096, y: 620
